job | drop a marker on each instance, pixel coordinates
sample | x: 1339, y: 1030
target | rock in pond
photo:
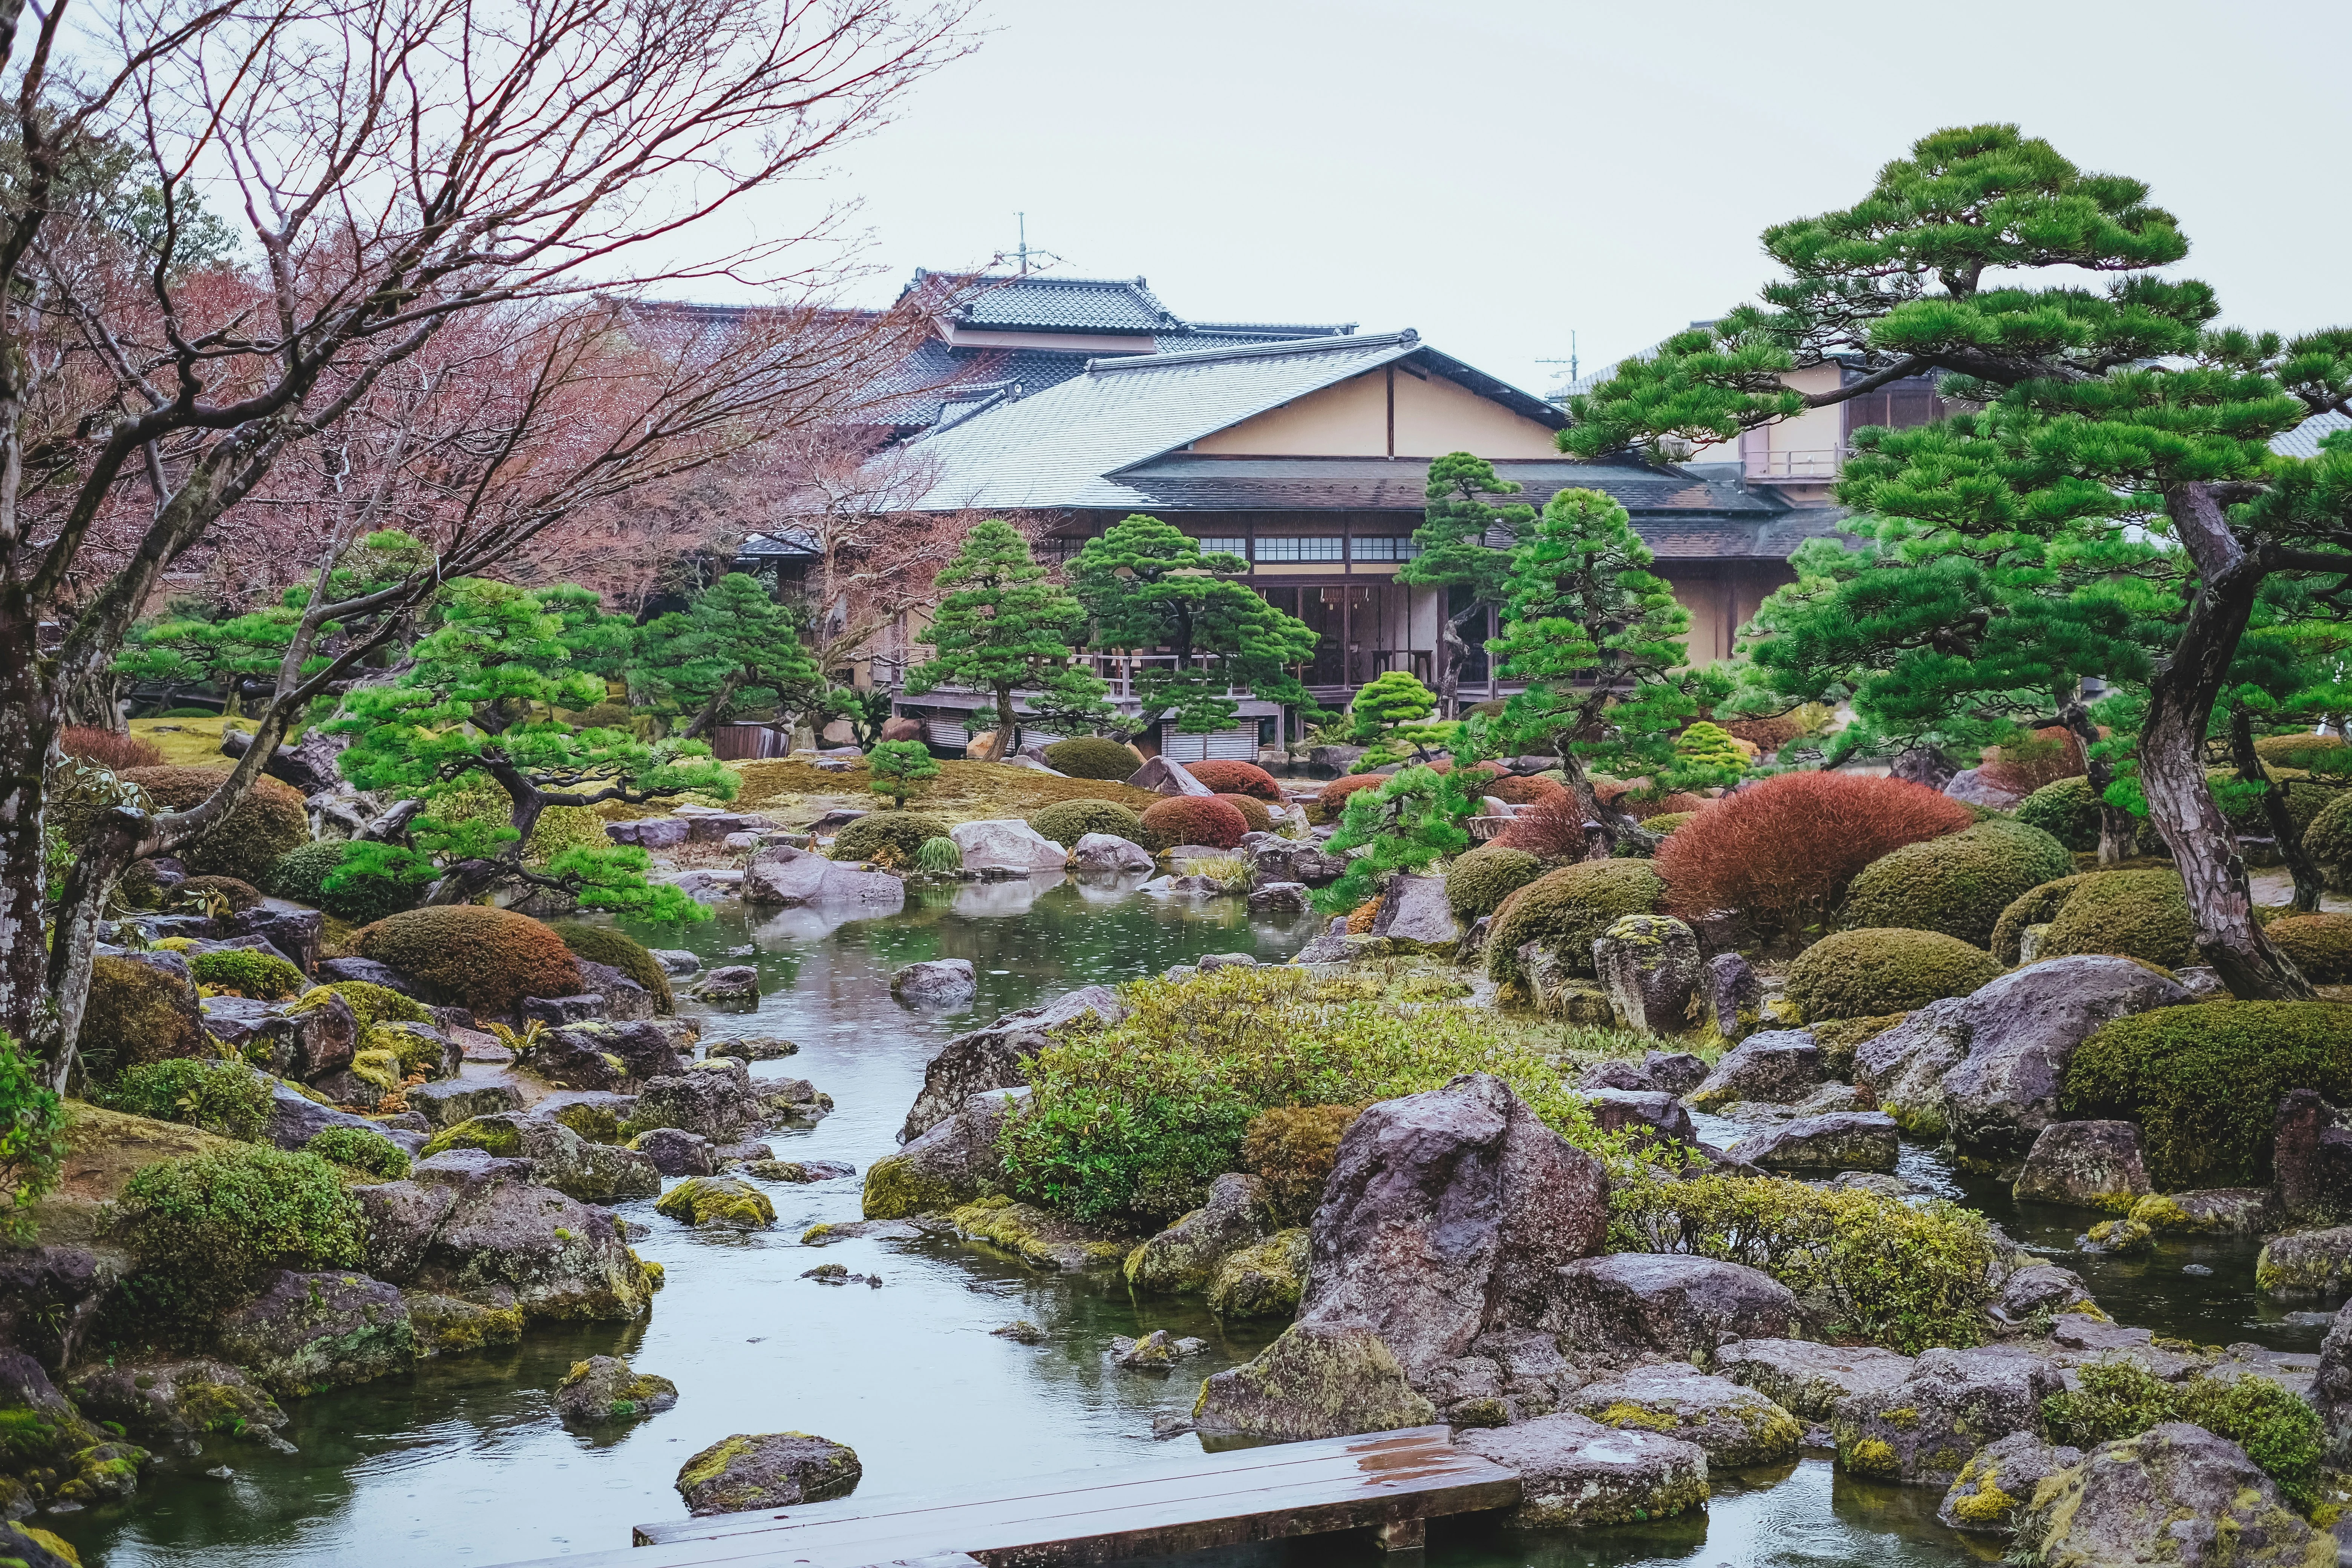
x: 781, y: 875
x: 675, y: 1151
x: 305, y: 1332
x: 1922, y: 1431
x: 2176, y: 1494
x: 1279, y: 899
x: 1778, y: 1067
x: 998, y: 1056
x: 1668, y: 1302
x: 1575, y: 1472
x: 1999, y: 1479
x: 734, y: 984
x: 1262, y: 1281
x: 470, y: 1225
x: 1157, y: 1352
x: 1845, y: 1141
x: 603, y: 1390
x: 159, y: 1401
x: 954, y: 1161
x: 1187, y: 1255
x: 2306, y: 1262
x: 753, y: 1048
x: 799, y: 1171
x: 767, y: 1470
x: 936, y: 983
x: 1807, y: 1379
x: 1108, y: 852
x: 2039, y: 1288
x: 718, y: 1201
x: 1736, y: 1425
x: 1313, y: 1382
x: 1006, y: 843
x: 714, y: 1098
x: 448, y: 1325
x: 55, y: 1456
x: 1040, y: 1237
x: 2084, y: 1163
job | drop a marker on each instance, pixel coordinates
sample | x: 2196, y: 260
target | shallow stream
x: 467, y: 1463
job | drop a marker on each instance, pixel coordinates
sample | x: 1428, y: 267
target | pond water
x: 466, y: 1462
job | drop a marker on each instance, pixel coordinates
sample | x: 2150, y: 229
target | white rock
x: 1006, y: 843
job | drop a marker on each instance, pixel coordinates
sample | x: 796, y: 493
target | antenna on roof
x: 1023, y: 254
x: 1569, y: 361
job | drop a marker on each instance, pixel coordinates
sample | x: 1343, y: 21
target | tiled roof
x: 1192, y: 482
x: 1043, y: 302
x: 2303, y: 441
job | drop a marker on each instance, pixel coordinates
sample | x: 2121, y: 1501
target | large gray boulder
x: 1653, y: 1111
x: 1842, y: 1141
x: 1448, y: 1213
x: 452, y: 1101
x: 1107, y: 852
x: 1275, y: 858
x: 603, y: 1391
x: 165, y: 1400
x: 1415, y: 918
x: 955, y: 1160
x: 1671, y: 1303
x: 998, y: 1056
x: 1007, y: 843
x: 675, y: 1151
x: 1316, y: 1380
x: 1164, y: 775
x: 935, y: 982
x: 765, y: 1471
x: 2022, y: 1030
x: 1778, y: 1067
x: 1187, y: 1255
x: 625, y: 1000
x: 781, y: 875
x: 1903, y: 1067
x: 1734, y: 1425
x: 714, y: 1098
x: 1922, y: 1431
x: 295, y: 1119
x: 1807, y: 1379
x: 305, y: 1332
x: 2086, y: 1163
x: 2175, y: 1494
x: 474, y: 1225
x: 1575, y: 1472
x: 1999, y: 1480
x: 1649, y: 964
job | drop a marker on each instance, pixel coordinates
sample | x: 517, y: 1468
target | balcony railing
x: 1793, y: 463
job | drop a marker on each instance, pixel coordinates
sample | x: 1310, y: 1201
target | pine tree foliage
x: 732, y: 648
x: 1455, y: 554
x: 1151, y: 589
x: 1389, y: 717
x: 2108, y: 505
x: 494, y: 651
x: 899, y: 769
x: 1003, y: 626
x: 1411, y: 822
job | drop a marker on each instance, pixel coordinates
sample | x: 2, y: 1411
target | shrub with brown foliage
x: 266, y: 825
x: 1192, y: 819
x: 1236, y: 778
x: 1681, y: 802
x: 1549, y: 830
x: 1515, y: 790
x: 1767, y: 735
x: 1783, y: 851
x: 2051, y: 754
x: 109, y: 750
x: 1252, y: 810
x: 1292, y: 1149
x: 487, y: 959
x: 1334, y: 798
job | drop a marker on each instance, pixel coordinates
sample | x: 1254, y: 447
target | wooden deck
x: 1388, y: 1481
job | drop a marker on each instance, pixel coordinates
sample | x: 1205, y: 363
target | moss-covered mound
x: 1072, y: 820
x: 1868, y: 972
x: 137, y: 1013
x: 487, y: 960
x: 2302, y: 751
x: 268, y: 823
x: 301, y: 874
x: 2133, y: 914
x: 2204, y: 1082
x: 248, y: 971
x: 721, y: 1201
x: 1478, y: 882
x: 203, y: 1228
x: 2321, y: 946
x: 618, y: 950
x: 887, y: 837
x: 226, y: 1098
x: 1093, y: 757
x: 496, y: 1134
x: 2067, y: 811
x: 1192, y: 819
x: 1224, y: 777
x: 2328, y: 840
x: 1252, y: 810
x: 1958, y: 884
x: 370, y: 1004
x: 1565, y: 909
x: 357, y: 1149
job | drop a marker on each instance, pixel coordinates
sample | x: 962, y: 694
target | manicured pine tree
x: 900, y: 768
x: 1411, y: 821
x: 1388, y: 719
x: 731, y: 648
x: 2119, y: 442
x: 1151, y: 589
x: 493, y: 648
x: 1002, y: 627
x: 1456, y: 558
x: 1597, y: 638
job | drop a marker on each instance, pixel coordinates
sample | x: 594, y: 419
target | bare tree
x: 426, y: 191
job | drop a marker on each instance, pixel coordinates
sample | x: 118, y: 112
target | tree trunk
x: 710, y: 710
x: 28, y: 729
x: 1005, y: 724
x: 2284, y: 829
x: 2118, y: 827
x: 2172, y: 758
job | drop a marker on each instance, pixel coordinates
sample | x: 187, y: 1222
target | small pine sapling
x: 901, y: 769
x: 1413, y: 821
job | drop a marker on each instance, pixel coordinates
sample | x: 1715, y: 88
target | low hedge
x: 887, y: 837
x: 1958, y: 884
x: 362, y: 1150
x: 618, y: 950
x: 1883, y: 1270
x: 1292, y: 1148
x: 2302, y: 751
x: 2204, y: 1082
x: 2132, y: 914
x: 202, y: 1228
x: 1192, y: 819
x: 136, y: 1013
x: 248, y: 971
x: 2321, y: 945
x: 1479, y: 881
x: 262, y: 828
x: 1093, y: 757
x: 1252, y: 810
x: 2328, y: 840
x: 1566, y: 909
x: 1870, y: 973
x: 226, y: 1098
x: 301, y: 876
x: 486, y: 959
x: 1065, y: 822
x: 1227, y: 777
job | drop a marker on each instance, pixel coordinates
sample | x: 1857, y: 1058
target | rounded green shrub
x: 1093, y: 757
x: 137, y: 1013
x: 1480, y: 879
x: 238, y: 894
x: 888, y: 837
x: 1565, y: 909
x: 248, y: 971
x: 1065, y: 822
x: 2133, y: 914
x: 1869, y: 973
x: 2120, y: 1399
x: 301, y: 874
x: 360, y: 1150
x: 618, y: 950
x: 1228, y: 777
x: 2328, y: 840
x: 1252, y: 810
x: 486, y: 959
x: 2067, y: 811
x: 201, y: 1228
x: 266, y: 824
x: 2034, y: 906
x: 2204, y: 1082
x: 1192, y: 819
x: 2321, y: 946
x: 1958, y: 884
x: 1667, y: 821
x: 370, y: 1004
x: 2302, y: 751
x: 228, y: 1098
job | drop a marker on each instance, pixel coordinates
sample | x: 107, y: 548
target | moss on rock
x: 1040, y: 1237
x: 1868, y: 973
x: 718, y: 1201
x: 1565, y: 910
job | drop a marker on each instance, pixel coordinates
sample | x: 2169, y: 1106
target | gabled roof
x: 1045, y: 302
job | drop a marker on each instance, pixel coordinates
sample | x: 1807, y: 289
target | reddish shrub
x: 109, y: 750
x: 1552, y: 829
x: 1252, y: 810
x: 1334, y: 798
x: 1193, y: 819
x: 1236, y: 778
x: 487, y: 959
x: 1664, y: 805
x: 2051, y: 754
x: 1767, y: 735
x: 1782, y: 851
x: 1517, y: 791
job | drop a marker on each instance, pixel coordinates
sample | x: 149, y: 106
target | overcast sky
x: 1503, y: 174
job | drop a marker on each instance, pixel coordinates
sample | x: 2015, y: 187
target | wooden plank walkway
x: 1389, y: 1481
